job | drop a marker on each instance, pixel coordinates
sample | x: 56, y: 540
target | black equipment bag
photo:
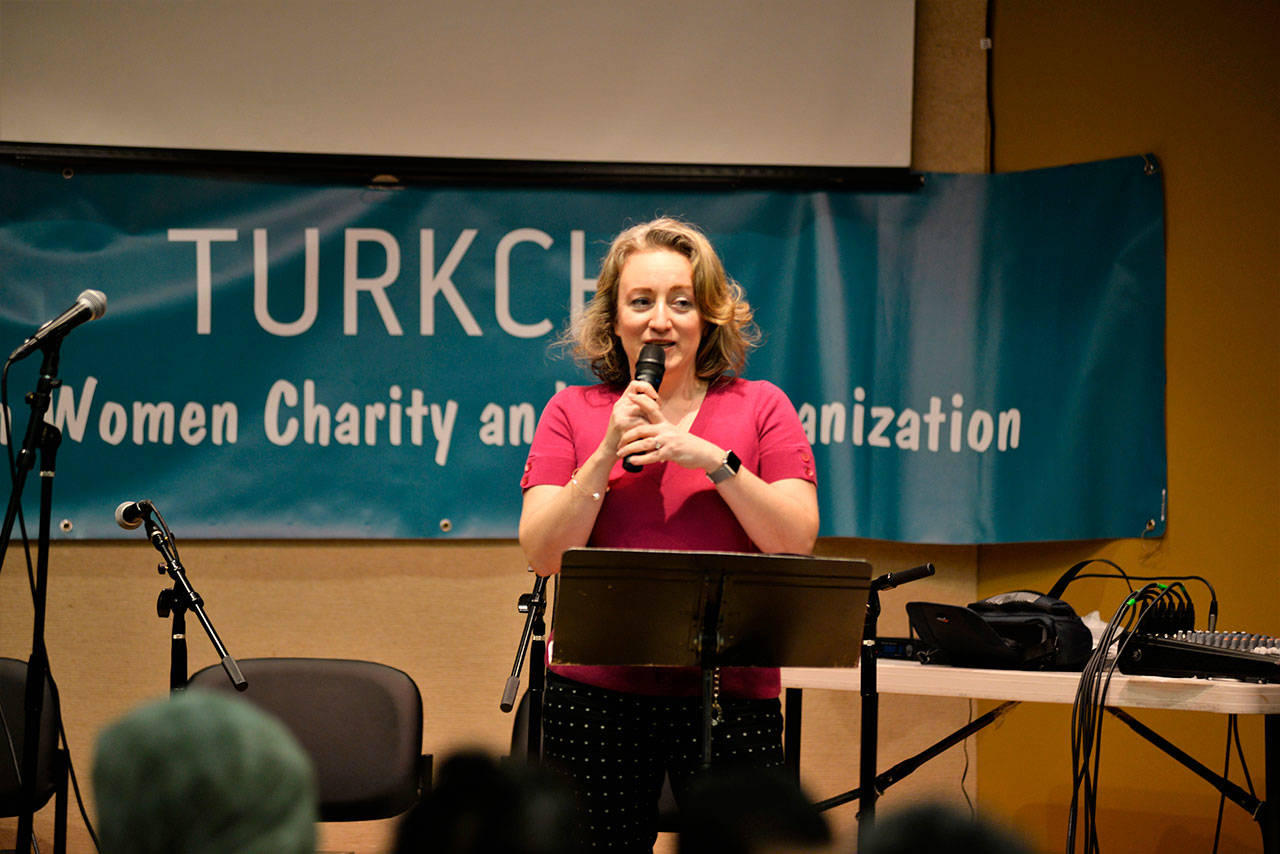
x: 1022, y: 630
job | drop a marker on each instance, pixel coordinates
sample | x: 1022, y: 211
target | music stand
x: 708, y: 610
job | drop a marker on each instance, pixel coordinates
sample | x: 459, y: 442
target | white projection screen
x: 803, y: 82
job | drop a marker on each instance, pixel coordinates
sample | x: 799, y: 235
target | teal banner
x: 980, y: 360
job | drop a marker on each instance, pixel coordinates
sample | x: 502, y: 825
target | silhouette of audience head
x: 480, y: 805
x: 748, y: 810
x: 202, y: 774
x: 933, y: 827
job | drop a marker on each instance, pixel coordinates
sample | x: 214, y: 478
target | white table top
x: 1224, y: 696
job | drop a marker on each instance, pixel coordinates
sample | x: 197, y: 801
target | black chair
x: 51, y: 765
x: 520, y: 730
x: 359, y: 721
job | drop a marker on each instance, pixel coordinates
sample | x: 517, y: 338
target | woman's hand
x: 554, y: 518
x: 781, y: 516
x: 654, y: 439
x: 635, y: 408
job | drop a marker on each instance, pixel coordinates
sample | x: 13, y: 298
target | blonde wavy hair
x: 728, y: 331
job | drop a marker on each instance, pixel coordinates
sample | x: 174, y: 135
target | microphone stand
x: 178, y: 600
x: 43, y: 438
x: 168, y: 603
x: 532, y: 639
x: 868, y: 793
x: 870, y: 784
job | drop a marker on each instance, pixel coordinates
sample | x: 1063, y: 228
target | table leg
x: 791, y: 732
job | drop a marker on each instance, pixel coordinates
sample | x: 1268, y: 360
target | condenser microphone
x: 651, y: 364
x: 130, y: 514
x: 90, y: 305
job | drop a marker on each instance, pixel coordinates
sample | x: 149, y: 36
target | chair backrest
x: 520, y: 731
x: 13, y: 728
x: 360, y: 721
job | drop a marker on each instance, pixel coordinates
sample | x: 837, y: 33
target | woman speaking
x: 714, y: 462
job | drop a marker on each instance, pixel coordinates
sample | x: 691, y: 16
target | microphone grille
x: 128, y: 520
x: 652, y: 353
x: 95, y: 300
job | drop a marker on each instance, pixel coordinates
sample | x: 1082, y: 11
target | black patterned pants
x: 615, y: 747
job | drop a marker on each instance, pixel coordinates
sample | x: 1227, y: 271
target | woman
x: 725, y: 467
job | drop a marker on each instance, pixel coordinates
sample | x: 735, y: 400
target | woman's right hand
x: 555, y: 518
x: 627, y: 411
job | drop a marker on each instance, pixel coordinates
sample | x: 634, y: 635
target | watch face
x: 727, y: 469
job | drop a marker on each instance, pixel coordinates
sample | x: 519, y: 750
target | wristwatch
x: 727, y: 469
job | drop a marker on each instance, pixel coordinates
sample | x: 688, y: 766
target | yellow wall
x: 1195, y: 83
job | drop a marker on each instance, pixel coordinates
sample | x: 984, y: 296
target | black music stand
x: 707, y: 610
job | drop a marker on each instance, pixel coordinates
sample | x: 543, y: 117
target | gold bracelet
x: 594, y: 496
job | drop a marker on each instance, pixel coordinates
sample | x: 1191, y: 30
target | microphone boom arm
x: 182, y: 598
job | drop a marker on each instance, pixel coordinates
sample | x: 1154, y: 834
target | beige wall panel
x: 443, y: 612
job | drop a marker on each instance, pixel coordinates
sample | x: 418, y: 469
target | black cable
x: 13, y: 480
x: 1222, y: 793
x: 71, y: 768
x: 1213, y: 594
x: 1244, y: 765
x: 13, y: 750
x: 1091, y: 729
x: 1134, y: 620
x: 1094, y: 735
x: 1170, y: 612
x: 1087, y: 713
x: 173, y: 543
x: 1127, y: 579
x: 1233, y: 734
x: 1083, y: 725
x: 964, y: 773
x: 8, y: 423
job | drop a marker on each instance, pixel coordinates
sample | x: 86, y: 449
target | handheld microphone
x: 651, y: 364
x: 90, y: 305
x: 130, y: 514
